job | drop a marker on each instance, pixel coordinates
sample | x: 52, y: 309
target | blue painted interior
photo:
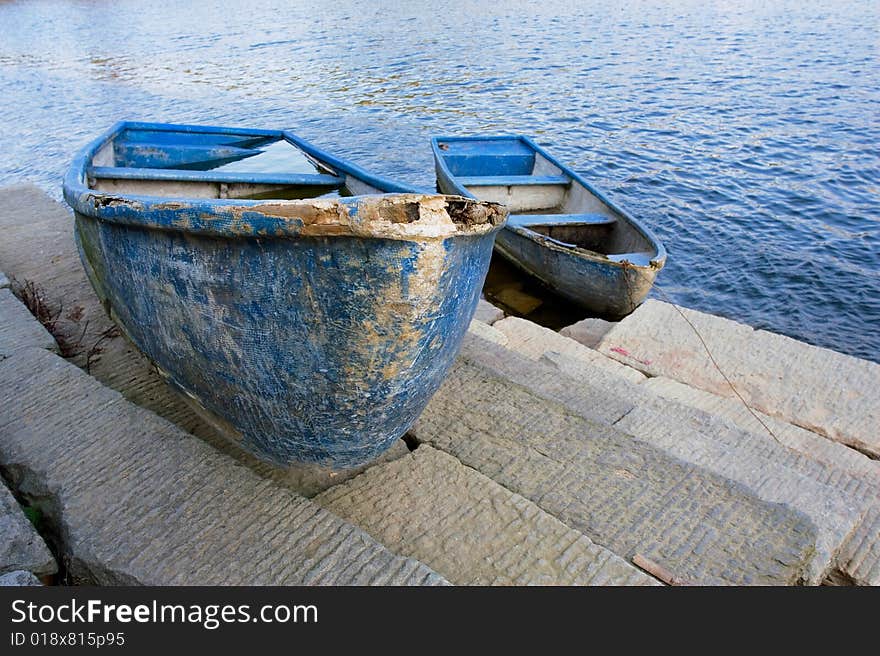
x: 176, y: 156
x: 194, y: 138
x: 492, y: 156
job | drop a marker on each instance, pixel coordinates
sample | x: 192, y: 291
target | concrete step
x: 829, y: 393
x: 623, y: 493
x: 470, y: 529
x: 135, y: 500
x: 38, y: 247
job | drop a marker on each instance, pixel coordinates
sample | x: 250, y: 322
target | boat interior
x: 210, y: 165
x: 542, y: 197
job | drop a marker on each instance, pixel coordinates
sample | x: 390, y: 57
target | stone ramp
x: 588, y: 332
x: 134, y: 500
x: 623, y: 493
x: 469, y: 528
x: 829, y: 393
x: 39, y: 247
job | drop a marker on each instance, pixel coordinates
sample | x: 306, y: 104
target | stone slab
x: 18, y: 578
x: 18, y: 327
x: 21, y: 547
x: 488, y: 313
x: 624, y: 494
x: 794, y: 437
x: 859, y: 560
x: 830, y: 493
x: 135, y: 500
x: 4, y: 281
x: 38, y: 247
x: 588, y: 332
x: 487, y: 332
x: 533, y: 341
x: 593, y: 400
x: 829, y: 393
x: 470, y: 529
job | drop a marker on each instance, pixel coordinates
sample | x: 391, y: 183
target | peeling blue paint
x: 310, y: 341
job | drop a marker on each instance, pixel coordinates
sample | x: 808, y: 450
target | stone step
x: 38, y: 247
x: 596, y: 399
x: 21, y: 547
x: 487, y: 332
x: 829, y: 393
x: 794, y: 437
x: 470, y: 529
x: 588, y: 332
x: 135, y: 500
x: 623, y: 493
x: 18, y: 329
x: 833, y: 494
x: 533, y: 341
x: 488, y: 313
x: 859, y: 559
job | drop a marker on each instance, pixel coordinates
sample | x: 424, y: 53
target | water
x: 744, y: 133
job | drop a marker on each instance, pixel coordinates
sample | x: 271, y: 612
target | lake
x: 745, y: 134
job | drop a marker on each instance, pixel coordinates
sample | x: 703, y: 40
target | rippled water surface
x: 744, y: 133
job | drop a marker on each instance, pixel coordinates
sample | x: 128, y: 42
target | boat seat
x: 512, y: 180
x: 526, y: 220
x: 182, y: 175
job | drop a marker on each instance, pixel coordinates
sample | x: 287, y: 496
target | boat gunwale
x: 235, y: 218
x: 657, y: 261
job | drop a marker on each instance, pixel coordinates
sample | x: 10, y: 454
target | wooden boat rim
x: 656, y: 262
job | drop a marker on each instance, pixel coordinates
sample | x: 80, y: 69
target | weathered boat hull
x: 612, y: 291
x: 310, y: 331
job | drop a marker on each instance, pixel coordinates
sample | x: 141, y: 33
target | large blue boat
x: 310, y: 325
x: 561, y: 230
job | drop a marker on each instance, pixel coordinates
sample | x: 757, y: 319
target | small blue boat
x: 561, y: 230
x: 310, y: 325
